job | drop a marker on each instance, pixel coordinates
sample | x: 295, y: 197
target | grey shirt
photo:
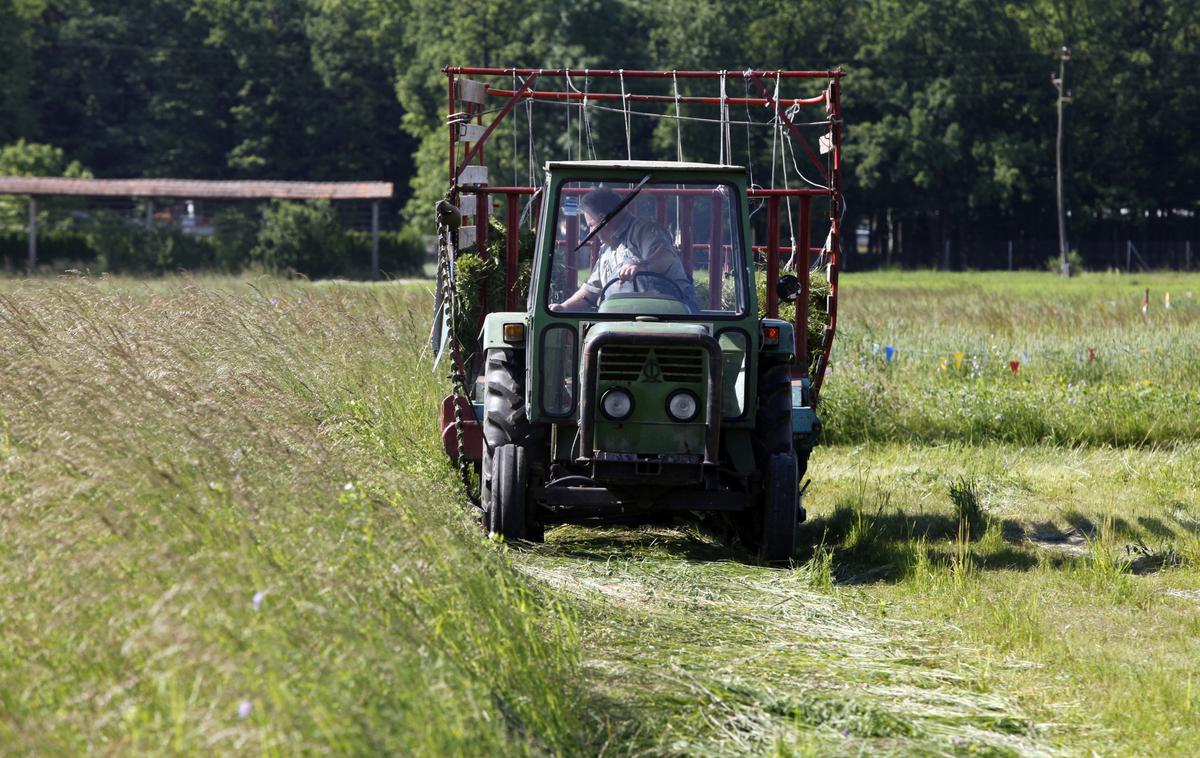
x: 646, y: 243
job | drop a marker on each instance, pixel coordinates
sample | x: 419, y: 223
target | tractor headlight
x: 682, y: 405
x: 617, y: 404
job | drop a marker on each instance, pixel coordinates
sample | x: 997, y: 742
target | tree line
x: 949, y: 106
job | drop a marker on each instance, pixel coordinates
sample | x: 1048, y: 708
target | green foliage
x: 477, y: 278
x: 401, y: 253
x: 31, y: 159
x: 125, y: 246
x: 1054, y: 263
x: 55, y: 246
x: 302, y: 237
x: 235, y: 233
x: 818, y: 313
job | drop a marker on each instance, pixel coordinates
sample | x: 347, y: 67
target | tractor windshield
x: 648, y: 248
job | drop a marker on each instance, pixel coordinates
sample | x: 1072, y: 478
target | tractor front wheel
x: 780, y: 509
x: 504, y: 510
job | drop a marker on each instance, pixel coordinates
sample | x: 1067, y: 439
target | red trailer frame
x: 472, y: 96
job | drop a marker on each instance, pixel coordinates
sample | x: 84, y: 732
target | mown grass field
x: 226, y: 527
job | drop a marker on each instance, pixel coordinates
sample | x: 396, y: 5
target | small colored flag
x: 958, y: 359
x: 1013, y: 366
x: 889, y: 352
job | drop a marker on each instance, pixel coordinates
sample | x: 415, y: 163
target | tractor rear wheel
x: 504, y: 511
x: 780, y: 509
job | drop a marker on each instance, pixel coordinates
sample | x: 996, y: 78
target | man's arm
x: 581, y: 297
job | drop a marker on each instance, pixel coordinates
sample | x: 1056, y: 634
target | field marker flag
x: 958, y: 359
x: 889, y: 352
x: 1013, y: 366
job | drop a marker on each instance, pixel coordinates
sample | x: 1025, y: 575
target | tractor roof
x: 644, y: 166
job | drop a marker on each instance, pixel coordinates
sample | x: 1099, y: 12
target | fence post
x: 375, y: 239
x: 32, y: 234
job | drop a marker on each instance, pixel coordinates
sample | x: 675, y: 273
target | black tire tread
x: 773, y: 422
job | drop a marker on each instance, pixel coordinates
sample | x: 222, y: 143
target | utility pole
x: 1064, y: 97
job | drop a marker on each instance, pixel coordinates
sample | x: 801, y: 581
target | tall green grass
x: 1092, y: 368
x: 225, y: 528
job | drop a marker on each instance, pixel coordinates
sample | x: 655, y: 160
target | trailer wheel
x: 773, y: 423
x: 504, y: 510
x: 780, y: 509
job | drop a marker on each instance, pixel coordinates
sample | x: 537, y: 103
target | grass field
x: 226, y: 526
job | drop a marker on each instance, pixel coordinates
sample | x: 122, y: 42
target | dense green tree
x: 31, y: 159
x: 950, y: 113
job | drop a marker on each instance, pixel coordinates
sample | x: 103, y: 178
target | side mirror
x: 788, y: 288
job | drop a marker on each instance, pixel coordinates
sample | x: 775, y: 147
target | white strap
x: 678, y: 121
x: 625, y: 111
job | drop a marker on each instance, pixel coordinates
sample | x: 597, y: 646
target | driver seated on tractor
x: 630, y: 245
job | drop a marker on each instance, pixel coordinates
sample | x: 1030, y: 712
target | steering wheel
x: 604, y: 292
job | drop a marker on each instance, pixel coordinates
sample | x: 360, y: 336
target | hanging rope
x: 749, y: 155
x: 586, y: 119
x: 724, y: 115
x: 568, y: 140
x: 678, y: 121
x: 625, y: 111
x: 529, y: 124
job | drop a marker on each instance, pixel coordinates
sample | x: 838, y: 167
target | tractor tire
x: 505, y: 418
x: 780, y: 509
x: 505, y: 509
x: 505, y: 422
x: 773, y: 423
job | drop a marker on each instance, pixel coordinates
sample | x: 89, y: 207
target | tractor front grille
x: 627, y: 363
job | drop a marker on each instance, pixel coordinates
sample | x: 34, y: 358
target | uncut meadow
x: 226, y: 526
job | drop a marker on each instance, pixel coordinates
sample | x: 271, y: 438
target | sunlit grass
x: 225, y: 527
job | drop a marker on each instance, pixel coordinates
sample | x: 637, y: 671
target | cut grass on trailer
x: 225, y: 526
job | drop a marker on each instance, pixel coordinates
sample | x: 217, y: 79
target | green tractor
x: 638, y: 377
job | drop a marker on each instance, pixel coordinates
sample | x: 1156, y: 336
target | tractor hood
x: 646, y: 328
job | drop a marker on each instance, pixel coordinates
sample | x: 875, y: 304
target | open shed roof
x: 192, y: 188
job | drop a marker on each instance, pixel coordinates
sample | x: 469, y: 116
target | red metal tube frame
x: 638, y: 74
x: 552, y: 96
